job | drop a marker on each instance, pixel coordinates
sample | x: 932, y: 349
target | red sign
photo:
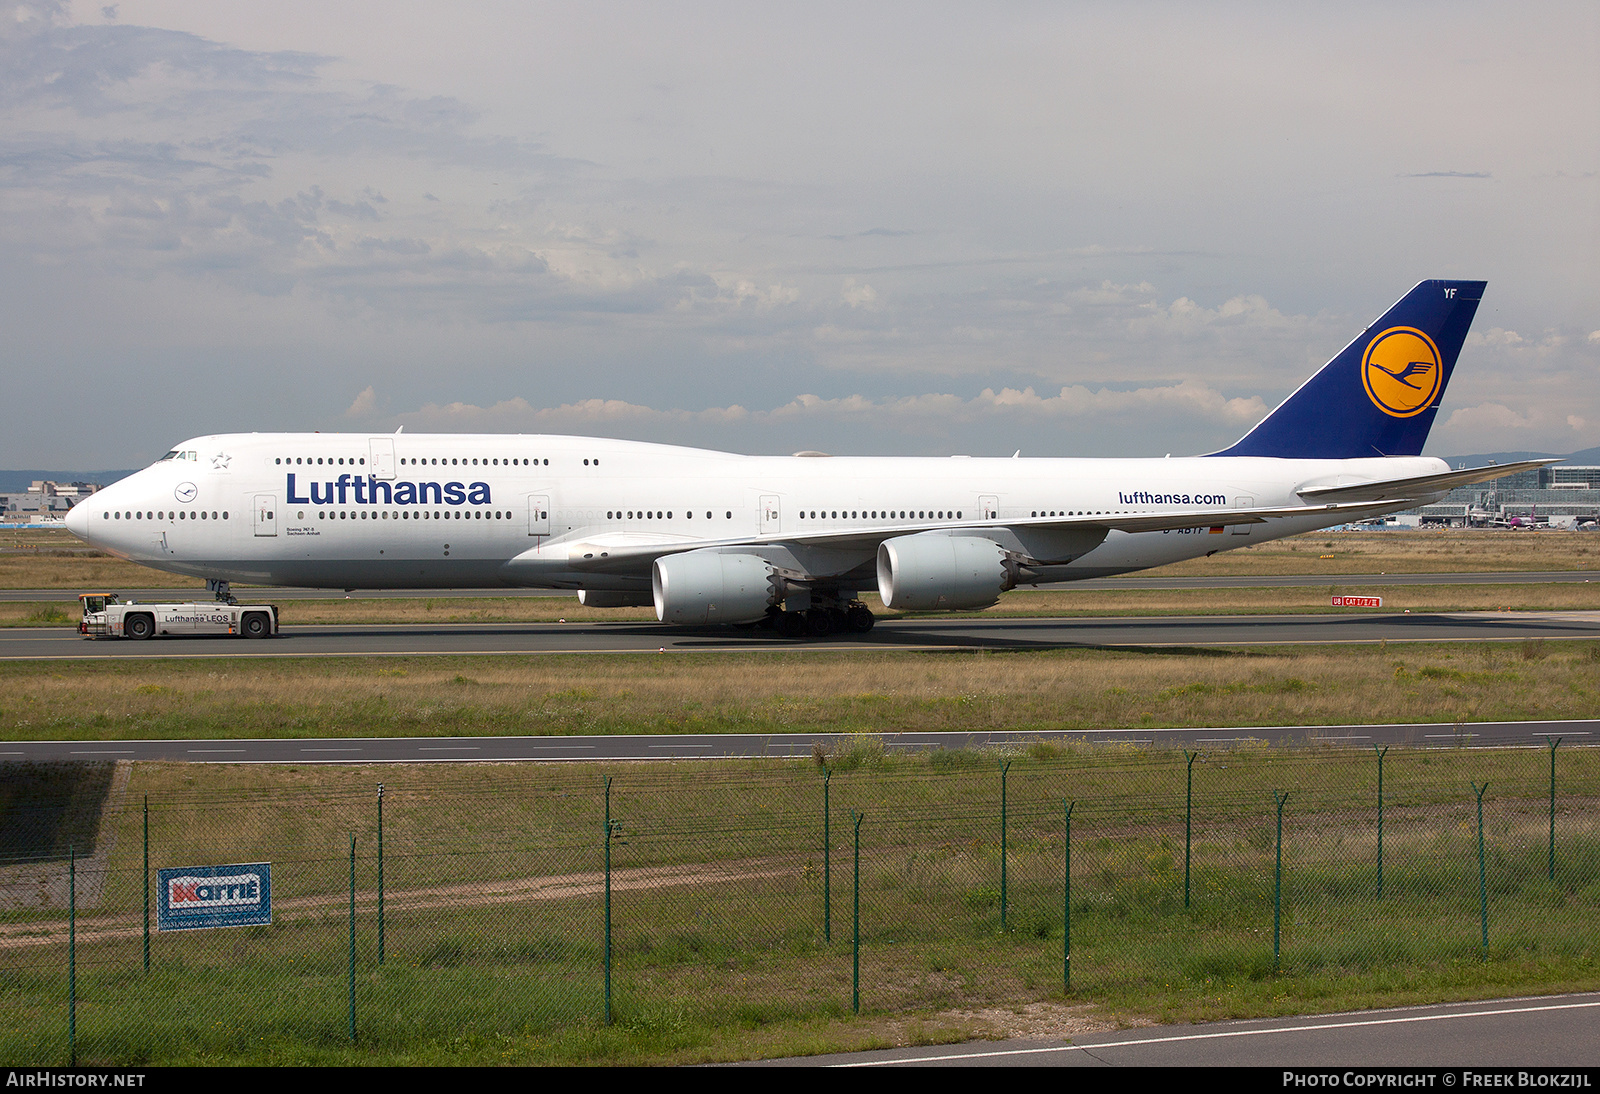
x: 1358, y: 602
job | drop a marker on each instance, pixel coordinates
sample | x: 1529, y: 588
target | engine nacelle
x: 708, y: 586
x: 933, y: 572
x: 610, y: 598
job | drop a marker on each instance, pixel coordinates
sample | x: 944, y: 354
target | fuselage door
x: 266, y: 514
x: 1242, y: 529
x: 989, y: 507
x: 382, y: 462
x: 771, y: 515
x: 538, y: 514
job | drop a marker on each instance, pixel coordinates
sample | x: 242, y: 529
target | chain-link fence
x: 493, y: 903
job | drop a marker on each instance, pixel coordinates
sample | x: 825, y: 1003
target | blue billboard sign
x: 215, y: 896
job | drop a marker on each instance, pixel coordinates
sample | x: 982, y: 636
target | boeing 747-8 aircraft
x: 712, y: 537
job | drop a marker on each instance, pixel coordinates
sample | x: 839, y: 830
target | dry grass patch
x: 1442, y: 551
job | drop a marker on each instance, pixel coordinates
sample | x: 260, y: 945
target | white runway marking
x: 1222, y: 1034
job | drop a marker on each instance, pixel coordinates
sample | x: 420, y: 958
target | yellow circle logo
x: 1401, y: 371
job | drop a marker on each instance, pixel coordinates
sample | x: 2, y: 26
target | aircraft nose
x: 78, y: 520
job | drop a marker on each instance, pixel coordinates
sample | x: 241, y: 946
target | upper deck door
x: 382, y: 462
x: 266, y: 514
x: 771, y: 515
x: 989, y: 507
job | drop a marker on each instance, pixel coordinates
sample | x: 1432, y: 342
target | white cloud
x: 858, y: 296
x: 1489, y: 417
x: 932, y: 414
x: 365, y: 404
x: 1514, y: 344
x: 1496, y: 426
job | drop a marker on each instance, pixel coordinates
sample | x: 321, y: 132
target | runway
x: 1574, y: 733
x: 1100, y: 584
x: 1496, y: 1042
x: 521, y: 639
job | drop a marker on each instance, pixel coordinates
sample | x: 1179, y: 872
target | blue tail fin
x: 1379, y: 396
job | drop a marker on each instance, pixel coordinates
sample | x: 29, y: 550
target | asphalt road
x: 1135, y: 581
x: 1461, y: 1041
x: 710, y: 746
x: 24, y: 643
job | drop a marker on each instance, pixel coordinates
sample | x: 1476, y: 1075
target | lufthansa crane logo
x: 185, y: 492
x: 1402, y: 371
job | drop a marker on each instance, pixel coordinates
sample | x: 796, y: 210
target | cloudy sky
x: 1073, y: 229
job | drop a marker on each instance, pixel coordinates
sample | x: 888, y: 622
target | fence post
x: 827, y: 864
x: 855, y: 916
x: 1380, y: 752
x: 1005, y: 765
x: 1066, y: 903
x: 1483, y: 890
x: 147, y: 883
x: 72, y: 956
x: 1188, y: 818
x: 380, y: 874
x: 1552, y: 864
x: 352, y: 938
x: 608, y: 901
x: 1277, y: 887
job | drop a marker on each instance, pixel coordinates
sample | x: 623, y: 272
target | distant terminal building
x: 44, y: 498
x: 1565, y: 495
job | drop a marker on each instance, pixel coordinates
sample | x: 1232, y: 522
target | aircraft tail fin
x: 1378, y: 397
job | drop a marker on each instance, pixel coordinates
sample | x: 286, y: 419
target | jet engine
x: 934, y: 572
x: 708, y: 586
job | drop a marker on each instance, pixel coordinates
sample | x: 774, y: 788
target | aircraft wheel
x: 860, y: 618
x: 819, y: 622
x: 792, y: 624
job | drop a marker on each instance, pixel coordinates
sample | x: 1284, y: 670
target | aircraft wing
x: 1406, y: 489
x: 623, y: 552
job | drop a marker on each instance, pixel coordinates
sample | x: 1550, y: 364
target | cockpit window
x: 174, y: 454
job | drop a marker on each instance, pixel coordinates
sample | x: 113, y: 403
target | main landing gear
x: 852, y: 617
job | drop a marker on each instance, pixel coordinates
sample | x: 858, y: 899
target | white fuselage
x: 478, y: 511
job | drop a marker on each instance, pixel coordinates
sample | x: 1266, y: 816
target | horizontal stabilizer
x: 1405, y: 489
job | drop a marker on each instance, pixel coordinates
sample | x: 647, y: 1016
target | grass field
x: 495, y: 918
x: 790, y: 692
